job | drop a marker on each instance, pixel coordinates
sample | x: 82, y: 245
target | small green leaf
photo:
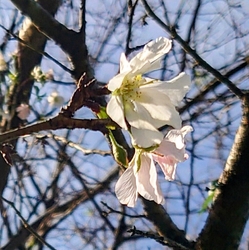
x: 119, y: 153
x: 209, y: 200
x: 102, y: 113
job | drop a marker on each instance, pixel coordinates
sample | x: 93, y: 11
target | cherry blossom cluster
x: 141, y: 105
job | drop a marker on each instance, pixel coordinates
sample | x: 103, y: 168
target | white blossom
x: 140, y: 104
x: 55, y: 100
x: 141, y: 176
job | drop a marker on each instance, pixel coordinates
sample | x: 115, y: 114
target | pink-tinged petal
x: 173, y: 144
x: 124, y: 64
x: 177, y: 136
x: 23, y: 111
x: 168, y: 165
x: 147, y: 184
x: 115, y: 110
x: 169, y: 148
x: 146, y: 137
x: 149, y: 58
x: 175, y: 89
x: 126, y: 188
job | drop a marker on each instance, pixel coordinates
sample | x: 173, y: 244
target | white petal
x: 147, y: 184
x: 147, y: 114
x: 186, y: 129
x: 175, y: 89
x: 177, y: 136
x: 126, y: 189
x: 117, y: 81
x: 115, y: 110
x: 168, y: 165
x: 160, y: 107
x: 146, y: 137
x: 124, y: 64
x: 169, y: 148
x: 149, y: 59
x: 173, y: 144
x: 137, y: 116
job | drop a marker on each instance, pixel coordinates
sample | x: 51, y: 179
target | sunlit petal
x: 115, y: 110
x: 124, y: 64
x: 168, y: 165
x: 147, y: 184
x: 169, y: 148
x: 146, y: 137
x: 160, y: 107
x: 175, y: 89
x: 126, y: 189
x: 186, y: 129
x: 137, y: 116
x: 177, y: 136
x: 149, y: 58
x: 116, y: 81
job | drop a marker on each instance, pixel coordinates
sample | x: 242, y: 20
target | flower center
x: 130, y: 88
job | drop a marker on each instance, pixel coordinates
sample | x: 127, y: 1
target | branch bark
x: 71, y: 42
x: 192, y: 52
x: 27, y: 59
x: 58, y: 213
x: 165, y: 226
x: 230, y: 211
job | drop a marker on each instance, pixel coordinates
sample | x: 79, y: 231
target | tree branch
x: 58, y: 213
x: 58, y: 122
x: 230, y: 211
x: 164, y: 225
x: 27, y: 226
x: 70, y: 41
x: 190, y: 51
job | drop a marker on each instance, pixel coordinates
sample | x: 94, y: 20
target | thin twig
x: 38, y: 51
x: 131, y: 10
x: 190, y: 51
x: 27, y: 226
x: 163, y: 241
x: 111, y: 210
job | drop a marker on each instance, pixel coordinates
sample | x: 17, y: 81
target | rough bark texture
x: 27, y: 59
x: 71, y: 42
x: 230, y: 211
x: 165, y: 226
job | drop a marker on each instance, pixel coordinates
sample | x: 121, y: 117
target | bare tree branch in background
x: 59, y: 190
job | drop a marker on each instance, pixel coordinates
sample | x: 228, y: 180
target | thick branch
x: 58, y: 122
x: 164, y: 225
x: 27, y: 59
x: 230, y: 211
x: 70, y: 41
